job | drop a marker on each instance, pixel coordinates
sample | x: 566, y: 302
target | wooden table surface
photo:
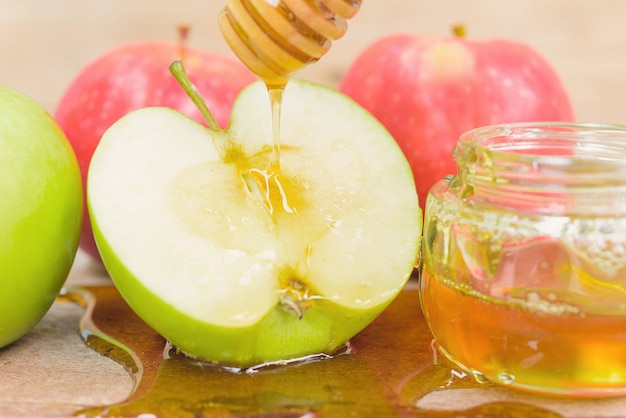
x: 50, y: 372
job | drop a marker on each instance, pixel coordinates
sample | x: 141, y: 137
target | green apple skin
x: 40, y: 216
x: 278, y: 335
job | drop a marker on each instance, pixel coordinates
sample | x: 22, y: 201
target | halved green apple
x: 238, y: 260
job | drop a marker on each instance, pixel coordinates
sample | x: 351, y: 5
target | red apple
x: 427, y: 90
x: 136, y: 75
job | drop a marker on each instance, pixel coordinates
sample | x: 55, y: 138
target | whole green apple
x: 239, y: 261
x: 40, y: 216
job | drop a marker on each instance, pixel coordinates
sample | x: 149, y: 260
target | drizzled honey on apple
x: 259, y: 180
x: 275, y: 187
x: 280, y: 192
x: 275, y: 39
x: 280, y: 201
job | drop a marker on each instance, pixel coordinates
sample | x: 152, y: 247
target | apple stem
x: 178, y: 71
x: 183, y: 35
x: 228, y: 149
x: 459, y: 31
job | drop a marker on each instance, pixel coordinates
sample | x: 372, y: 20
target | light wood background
x: 43, y: 45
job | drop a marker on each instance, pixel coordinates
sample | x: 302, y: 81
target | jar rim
x: 555, y: 166
x: 514, y: 132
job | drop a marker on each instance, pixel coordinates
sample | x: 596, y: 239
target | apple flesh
x: 238, y: 261
x: 40, y: 216
x: 427, y: 90
x: 132, y: 76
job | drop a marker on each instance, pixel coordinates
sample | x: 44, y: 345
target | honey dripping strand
x: 276, y: 38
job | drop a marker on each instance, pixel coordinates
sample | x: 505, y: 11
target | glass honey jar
x: 524, y: 272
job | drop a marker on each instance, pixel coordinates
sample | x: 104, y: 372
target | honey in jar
x: 524, y: 274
